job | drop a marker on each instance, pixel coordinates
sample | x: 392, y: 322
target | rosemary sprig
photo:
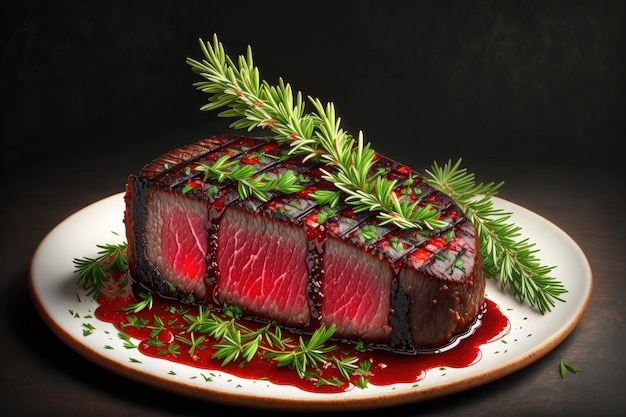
x: 146, y: 302
x: 93, y: 272
x: 257, y: 104
x: 236, y: 341
x: 504, y: 255
x: 307, y: 353
x: 247, y: 183
x: 318, y: 135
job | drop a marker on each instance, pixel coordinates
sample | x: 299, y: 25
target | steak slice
x: 357, y: 292
x: 262, y: 267
x: 289, y: 260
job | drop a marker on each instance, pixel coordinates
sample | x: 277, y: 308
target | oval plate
x: 69, y: 312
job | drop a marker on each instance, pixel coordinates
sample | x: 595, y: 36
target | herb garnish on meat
x: 257, y: 104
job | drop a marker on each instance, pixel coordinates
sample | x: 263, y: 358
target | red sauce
x: 387, y: 368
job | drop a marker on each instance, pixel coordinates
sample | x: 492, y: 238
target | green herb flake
x: 211, y: 191
x: 368, y: 234
x: 457, y: 264
x: 325, y: 214
x: 92, y: 271
x: 361, y: 382
x: 564, y: 367
x: 296, y: 205
x: 396, y: 244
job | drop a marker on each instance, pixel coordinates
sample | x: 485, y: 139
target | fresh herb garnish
x: 248, y: 183
x: 234, y: 340
x: 237, y: 342
x: 256, y: 104
x: 564, y: 367
x: 318, y: 135
x: 306, y: 353
x: 93, y: 272
x: 145, y: 303
x: 504, y: 255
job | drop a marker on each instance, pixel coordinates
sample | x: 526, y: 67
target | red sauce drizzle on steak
x: 295, y: 262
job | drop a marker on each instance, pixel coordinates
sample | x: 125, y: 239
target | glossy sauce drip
x: 397, y: 247
x: 387, y: 368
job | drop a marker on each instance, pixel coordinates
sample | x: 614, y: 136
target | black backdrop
x: 522, y: 91
x: 542, y: 80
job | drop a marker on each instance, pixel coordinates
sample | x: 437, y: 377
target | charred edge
x: 401, y: 339
x: 152, y: 280
x: 399, y: 317
x: 176, y: 177
x: 181, y: 157
x: 212, y: 273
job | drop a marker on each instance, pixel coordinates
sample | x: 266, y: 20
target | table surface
x: 72, y: 138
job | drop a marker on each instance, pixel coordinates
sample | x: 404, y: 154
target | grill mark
x: 228, y: 197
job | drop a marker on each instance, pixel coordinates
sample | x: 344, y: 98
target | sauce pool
x: 169, y: 339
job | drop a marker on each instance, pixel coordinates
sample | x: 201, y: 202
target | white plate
x: 54, y: 292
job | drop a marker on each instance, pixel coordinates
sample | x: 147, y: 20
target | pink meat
x: 262, y: 267
x: 291, y: 260
x: 358, y: 306
x: 180, y: 244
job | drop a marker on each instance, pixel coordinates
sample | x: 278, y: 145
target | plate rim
x: 325, y: 402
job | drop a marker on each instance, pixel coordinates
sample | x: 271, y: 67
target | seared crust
x: 433, y: 282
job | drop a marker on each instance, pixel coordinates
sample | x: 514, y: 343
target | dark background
x: 541, y: 80
x: 530, y: 93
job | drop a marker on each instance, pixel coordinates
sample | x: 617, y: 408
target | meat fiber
x: 300, y: 264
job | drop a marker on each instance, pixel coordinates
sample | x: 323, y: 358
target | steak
x: 293, y: 261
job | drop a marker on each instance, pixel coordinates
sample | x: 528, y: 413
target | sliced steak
x: 263, y: 267
x: 179, y: 244
x: 357, y: 292
x: 297, y: 263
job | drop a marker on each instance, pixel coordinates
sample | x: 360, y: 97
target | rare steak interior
x: 297, y: 263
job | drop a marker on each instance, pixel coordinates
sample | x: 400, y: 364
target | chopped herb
x: 448, y: 236
x: 361, y: 382
x: 564, y: 367
x: 368, y: 233
x: 334, y: 381
x: 88, y: 329
x: 128, y: 344
x: 325, y: 214
x: 396, y: 244
x: 457, y: 264
x: 146, y: 302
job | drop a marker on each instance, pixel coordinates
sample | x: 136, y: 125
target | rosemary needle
x: 318, y: 135
x: 504, y: 254
x: 256, y: 104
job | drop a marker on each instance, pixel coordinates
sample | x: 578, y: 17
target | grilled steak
x: 300, y: 264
